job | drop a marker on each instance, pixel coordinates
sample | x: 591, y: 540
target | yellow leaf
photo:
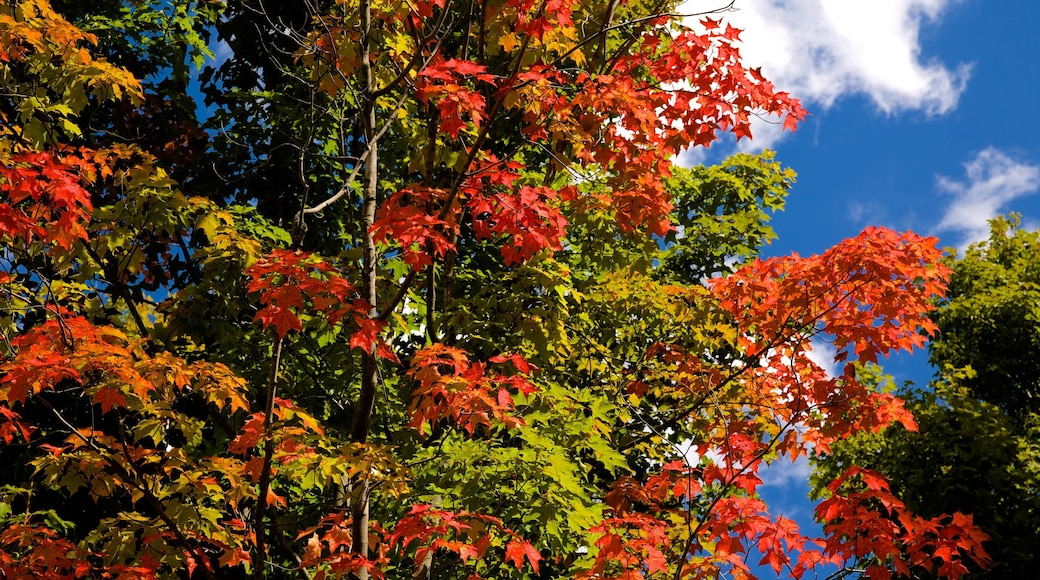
x: 508, y: 41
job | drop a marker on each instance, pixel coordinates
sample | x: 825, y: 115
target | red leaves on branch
x: 536, y: 18
x: 423, y: 531
x: 328, y: 550
x: 451, y: 387
x: 527, y: 219
x: 869, y: 296
x: 11, y: 425
x: 444, y: 83
x: 42, y: 200
x: 408, y: 219
x: 468, y: 535
x: 291, y: 424
x: 638, y: 537
x: 293, y: 284
x: 673, y: 91
x: 677, y: 90
x: 74, y: 349
x: 530, y: 218
x: 249, y: 436
x: 424, y: 9
x: 634, y: 542
x: 872, y: 293
x: 518, y: 550
x: 30, y: 551
x: 70, y: 351
x: 864, y: 519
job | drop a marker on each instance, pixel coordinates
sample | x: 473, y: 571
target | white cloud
x: 992, y: 180
x: 692, y: 156
x: 822, y: 353
x: 688, y: 451
x: 823, y: 50
x: 784, y: 472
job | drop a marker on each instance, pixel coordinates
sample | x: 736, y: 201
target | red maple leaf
x: 109, y: 398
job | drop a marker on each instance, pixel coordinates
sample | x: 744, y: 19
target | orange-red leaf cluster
x: 452, y: 387
x: 467, y: 535
x: 291, y: 282
x: 408, y: 219
x: 868, y: 296
x: 863, y: 518
x: 294, y: 283
x: 42, y: 200
x: 444, y: 84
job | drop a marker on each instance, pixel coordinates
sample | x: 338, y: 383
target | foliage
x: 975, y: 450
x: 413, y: 301
x: 991, y: 319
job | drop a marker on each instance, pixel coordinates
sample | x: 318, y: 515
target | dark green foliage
x: 991, y: 319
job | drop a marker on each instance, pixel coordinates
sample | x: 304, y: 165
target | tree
x: 975, y: 450
x: 414, y: 301
x: 988, y: 321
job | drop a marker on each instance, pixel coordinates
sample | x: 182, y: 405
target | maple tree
x: 975, y: 450
x: 422, y: 295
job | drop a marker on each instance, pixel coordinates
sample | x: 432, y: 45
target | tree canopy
x: 417, y: 292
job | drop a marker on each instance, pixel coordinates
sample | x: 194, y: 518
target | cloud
x: 823, y: 50
x: 784, y: 472
x: 221, y: 52
x: 822, y: 353
x: 992, y: 180
x: 862, y: 212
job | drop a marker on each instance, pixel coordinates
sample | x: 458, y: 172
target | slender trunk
x: 260, y: 557
x: 369, y: 372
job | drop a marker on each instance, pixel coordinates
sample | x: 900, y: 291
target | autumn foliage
x: 417, y: 298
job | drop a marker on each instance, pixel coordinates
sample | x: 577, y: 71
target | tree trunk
x: 369, y: 371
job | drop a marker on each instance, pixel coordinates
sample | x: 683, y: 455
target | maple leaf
x: 451, y: 387
x: 52, y: 203
x: 289, y: 282
x: 451, y: 117
x: 109, y: 398
x: 249, y: 435
x: 282, y: 319
x: 366, y: 337
x: 13, y: 425
x: 732, y: 33
x: 405, y: 219
x: 517, y: 550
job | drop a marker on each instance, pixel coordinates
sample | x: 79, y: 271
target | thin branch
x: 121, y: 289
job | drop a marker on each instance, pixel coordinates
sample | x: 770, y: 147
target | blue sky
x: 924, y: 117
